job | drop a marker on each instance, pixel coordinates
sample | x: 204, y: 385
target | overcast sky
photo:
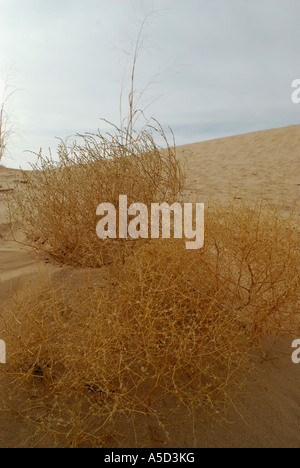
x: 226, y: 66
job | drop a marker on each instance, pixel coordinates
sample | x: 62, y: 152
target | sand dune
x: 266, y: 162
x: 268, y: 415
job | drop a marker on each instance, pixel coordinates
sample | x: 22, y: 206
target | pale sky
x: 226, y: 66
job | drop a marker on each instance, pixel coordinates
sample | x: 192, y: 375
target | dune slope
x: 268, y: 414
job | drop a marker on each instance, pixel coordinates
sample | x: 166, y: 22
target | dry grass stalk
x: 6, y: 127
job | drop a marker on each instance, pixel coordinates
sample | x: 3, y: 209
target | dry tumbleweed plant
x: 57, y: 208
x: 107, y: 359
x: 84, y: 362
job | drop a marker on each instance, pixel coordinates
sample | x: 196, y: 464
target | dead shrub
x: 119, y: 351
x: 252, y: 258
x: 57, y: 206
x: 107, y: 360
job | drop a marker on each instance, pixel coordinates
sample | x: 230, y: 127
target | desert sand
x: 267, y: 162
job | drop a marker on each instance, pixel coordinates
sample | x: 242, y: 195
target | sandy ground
x: 268, y: 414
x: 264, y: 163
